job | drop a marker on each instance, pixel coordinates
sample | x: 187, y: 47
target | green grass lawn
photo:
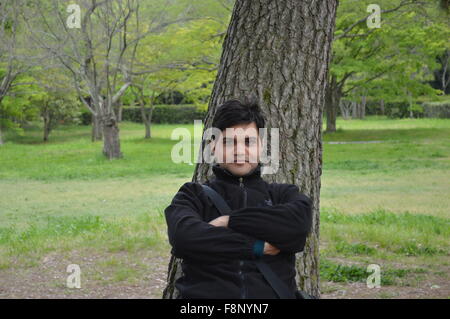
x: 386, y: 203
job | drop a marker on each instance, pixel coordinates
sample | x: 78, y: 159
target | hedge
x: 437, y: 109
x: 167, y: 114
x: 401, y: 110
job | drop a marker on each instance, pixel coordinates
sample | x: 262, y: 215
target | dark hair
x: 234, y: 112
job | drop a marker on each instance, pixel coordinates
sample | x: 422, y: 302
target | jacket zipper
x: 241, y: 262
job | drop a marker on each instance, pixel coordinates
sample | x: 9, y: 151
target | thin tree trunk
x: 1, y: 115
x: 411, y: 115
x: 345, y: 107
x: 355, y: 110
x: 146, y: 117
x: 46, y: 133
x: 362, y: 113
x: 46, y: 117
x: 444, y: 80
x: 148, y: 123
x: 119, y: 116
x: 46, y: 127
x: 331, y: 113
x: 280, y: 50
x: 332, y: 100
x: 382, y: 106
x: 118, y: 111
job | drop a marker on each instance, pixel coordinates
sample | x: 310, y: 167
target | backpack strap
x: 275, y: 282
x: 217, y: 200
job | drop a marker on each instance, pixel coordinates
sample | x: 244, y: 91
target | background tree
x: 183, y: 57
x: 442, y: 73
x: 17, y: 57
x: 55, y: 98
x: 362, y: 55
x: 280, y: 51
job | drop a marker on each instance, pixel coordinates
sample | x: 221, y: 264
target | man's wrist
x: 258, y: 248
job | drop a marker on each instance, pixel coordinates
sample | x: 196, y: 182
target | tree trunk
x: 146, y: 118
x: 332, y: 100
x: 362, y: 113
x: 345, y: 107
x: 119, y: 116
x: 382, y: 106
x: 96, y: 128
x: 47, y: 120
x: 411, y: 115
x: 111, y: 141
x: 280, y: 51
x: 118, y: 111
x: 355, y: 110
x: 148, y: 123
x: 1, y: 115
x: 359, y: 109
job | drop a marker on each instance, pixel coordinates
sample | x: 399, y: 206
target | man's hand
x: 270, y: 250
x: 221, y: 221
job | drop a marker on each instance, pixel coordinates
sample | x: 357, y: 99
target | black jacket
x: 217, y: 261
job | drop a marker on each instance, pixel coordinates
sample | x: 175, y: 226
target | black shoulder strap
x: 217, y: 200
x: 277, y: 285
x: 280, y: 287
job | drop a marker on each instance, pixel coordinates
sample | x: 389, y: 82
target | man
x: 269, y: 221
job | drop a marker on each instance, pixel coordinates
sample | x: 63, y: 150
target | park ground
x: 386, y: 202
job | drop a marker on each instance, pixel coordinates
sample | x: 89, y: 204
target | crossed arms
x: 285, y: 226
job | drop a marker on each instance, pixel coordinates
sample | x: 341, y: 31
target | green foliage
x: 391, y: 62
x: 162, y: 114
x: 332, y: 271
x: 403, y: 109
x: 341, y: 273
x: 184, y: 55
x: 414, y: 249
x: 17, y: 108
x: 355, y: 248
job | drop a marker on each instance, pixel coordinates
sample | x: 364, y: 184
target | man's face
x: 238, y: 148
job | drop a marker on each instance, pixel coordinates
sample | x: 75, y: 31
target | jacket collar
x: 224, y: 174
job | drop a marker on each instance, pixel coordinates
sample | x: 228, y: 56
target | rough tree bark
x: 280, y: 51
x: 111, y: 145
